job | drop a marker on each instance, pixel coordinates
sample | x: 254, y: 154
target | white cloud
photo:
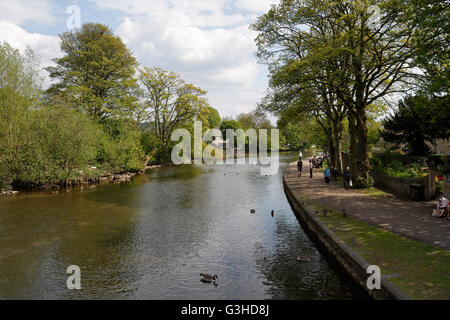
x: 18, y: 12
x: 207, y: 41
x: 257, y: 6
x: 46, y: 46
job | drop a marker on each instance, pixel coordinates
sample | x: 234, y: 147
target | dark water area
x: 152, y: 237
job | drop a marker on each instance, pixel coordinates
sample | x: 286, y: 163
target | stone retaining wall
x: 400, y: 186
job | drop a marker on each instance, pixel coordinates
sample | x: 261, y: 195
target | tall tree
x: 379, y: 63
x: 169, y: 102
x: 361, y: 61
x: 96, y: 72
x: 430, y: 20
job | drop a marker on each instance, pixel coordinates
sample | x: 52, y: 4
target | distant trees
x: 169, y: 103
x: 213, y: 118
x: 96, y: 74
x: 245, y: 121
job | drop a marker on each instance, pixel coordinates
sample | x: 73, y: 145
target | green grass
x: 374, y: 192
x: 420, y: 270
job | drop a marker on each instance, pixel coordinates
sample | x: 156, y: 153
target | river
x: 152, y: 237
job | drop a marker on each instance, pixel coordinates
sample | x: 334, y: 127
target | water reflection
x: 152, y: 237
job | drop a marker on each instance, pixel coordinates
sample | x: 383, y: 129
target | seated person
x: 442, y: 206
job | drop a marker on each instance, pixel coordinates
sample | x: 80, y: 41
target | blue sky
x: 207, y: 42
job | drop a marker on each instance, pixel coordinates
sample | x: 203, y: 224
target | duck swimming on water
x: 208, y: 278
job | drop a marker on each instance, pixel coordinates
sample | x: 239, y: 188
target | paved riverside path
x: 409, y: 218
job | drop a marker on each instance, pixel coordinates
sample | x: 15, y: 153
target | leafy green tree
x: 247, y: 121
x: 65, y: 141
x: 430, y: 21
x: 120, y: 148
x: 342, y: 59
x: 170, y: 103
x: 19, y: 94
x: 213, y: 118
x: 96, y: 72
x: 303, y: 133
x: 229, y: 124
x: 417, y: 121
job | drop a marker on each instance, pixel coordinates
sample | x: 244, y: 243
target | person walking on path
x: 311, y: 166
x: 334, y: 174
x: 327, y: 175
x: 347, y: 178
x: 300, y: 155
x: 300, y: 167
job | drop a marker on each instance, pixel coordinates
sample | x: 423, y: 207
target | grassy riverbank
x: 418, y: 269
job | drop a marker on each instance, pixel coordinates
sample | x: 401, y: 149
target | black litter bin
x: 417, y: 192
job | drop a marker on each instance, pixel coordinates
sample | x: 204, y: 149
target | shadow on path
x: 408, y: 218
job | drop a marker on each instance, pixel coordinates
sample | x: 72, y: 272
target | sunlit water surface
x: 152, y: 237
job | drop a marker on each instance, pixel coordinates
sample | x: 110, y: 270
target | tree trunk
x: 362, y: 147
x: 353, y: 142
x: 332, y: 150
x: 337, y: 137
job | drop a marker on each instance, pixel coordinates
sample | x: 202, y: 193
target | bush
x: 119, y: 147
x: 397, y: 165
x: 375, y: 163
x: 362, y: 183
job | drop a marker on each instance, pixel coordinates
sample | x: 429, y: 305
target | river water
x: 152, y: 237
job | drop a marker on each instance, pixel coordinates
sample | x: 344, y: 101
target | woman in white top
x: 442, y: 207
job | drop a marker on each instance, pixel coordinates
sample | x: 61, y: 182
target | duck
x: 208, y: 278
x: 303, y: 259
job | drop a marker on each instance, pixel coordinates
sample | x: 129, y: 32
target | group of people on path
x: 327, y: 173
x: 300, y: 165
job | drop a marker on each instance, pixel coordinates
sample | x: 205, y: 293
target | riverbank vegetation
x: 335, y: 66
x: 101, y: 114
